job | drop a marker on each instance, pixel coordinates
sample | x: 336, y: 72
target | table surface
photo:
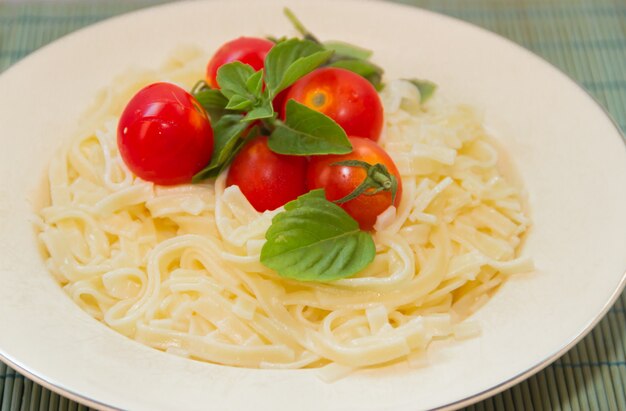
x: 584, y: 38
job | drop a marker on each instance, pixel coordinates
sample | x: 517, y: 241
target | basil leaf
x: 308, y: 132
x: 233, y: 77
x: 238, y: 102
x: 263, y: 111
x: 289, y: 60
x: 347, y: 50
x: 230, y: 155
x: 361, y: 67
x: 226, y: 132
x: 316, y: 240
x: 211, y: 99
x: 254, y: 84
x: 370, y: 71
x: 425, y: 87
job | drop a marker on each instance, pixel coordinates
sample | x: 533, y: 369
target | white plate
x: 570, y: 155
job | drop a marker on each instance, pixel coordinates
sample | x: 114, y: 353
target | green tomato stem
x: 297, y: 24
x: 378, y: 179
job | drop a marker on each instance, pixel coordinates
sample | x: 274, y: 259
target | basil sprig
x: 316, y: 240
x: 243, y: 87
x: 245, y: 96
x: 238, y: 83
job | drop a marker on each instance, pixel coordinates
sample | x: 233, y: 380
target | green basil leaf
x: 211, y: 99
x: 254, y: 84
x: 361, y: 67
x: 233, y: 77
x: 289, y: 60
x: 308, y: 132
x: 226, y: 133
x: 347, y: 50
x: 260, y: 112
x: 316, y: 240
x: 230, y: 155
x: 425, y: 87
x: 370, y: 71
x: 238, y: 102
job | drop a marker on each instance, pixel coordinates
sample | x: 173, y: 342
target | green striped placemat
x: 584, y: 38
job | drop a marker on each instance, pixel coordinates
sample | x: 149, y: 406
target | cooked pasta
x: 177, y: 268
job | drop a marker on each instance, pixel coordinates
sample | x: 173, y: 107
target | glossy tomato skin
x: 164, y: 135
x: 267, y: 179
x: 344, y: 96
x: 248, y: 50
x: 339, y: 181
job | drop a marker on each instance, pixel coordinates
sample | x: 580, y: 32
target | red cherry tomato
x: 338, y: 181
x: 248, y: 50
x: 268, y: 180
x: 164, y: 135
x: 344, y: 96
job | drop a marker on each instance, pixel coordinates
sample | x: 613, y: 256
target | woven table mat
x: 584, y: 38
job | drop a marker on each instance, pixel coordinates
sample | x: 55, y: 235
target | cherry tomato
x: 268, y: 180
x: 248, y: 50
x: 344, y: 96
x: 164, y: 135
x: 338, y: 180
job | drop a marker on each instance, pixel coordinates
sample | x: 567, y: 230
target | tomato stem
x: 378, y: 179
x: 297, y: 24
x: 200, y: 84
x: 384, y: 179
x: 268, y: 125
